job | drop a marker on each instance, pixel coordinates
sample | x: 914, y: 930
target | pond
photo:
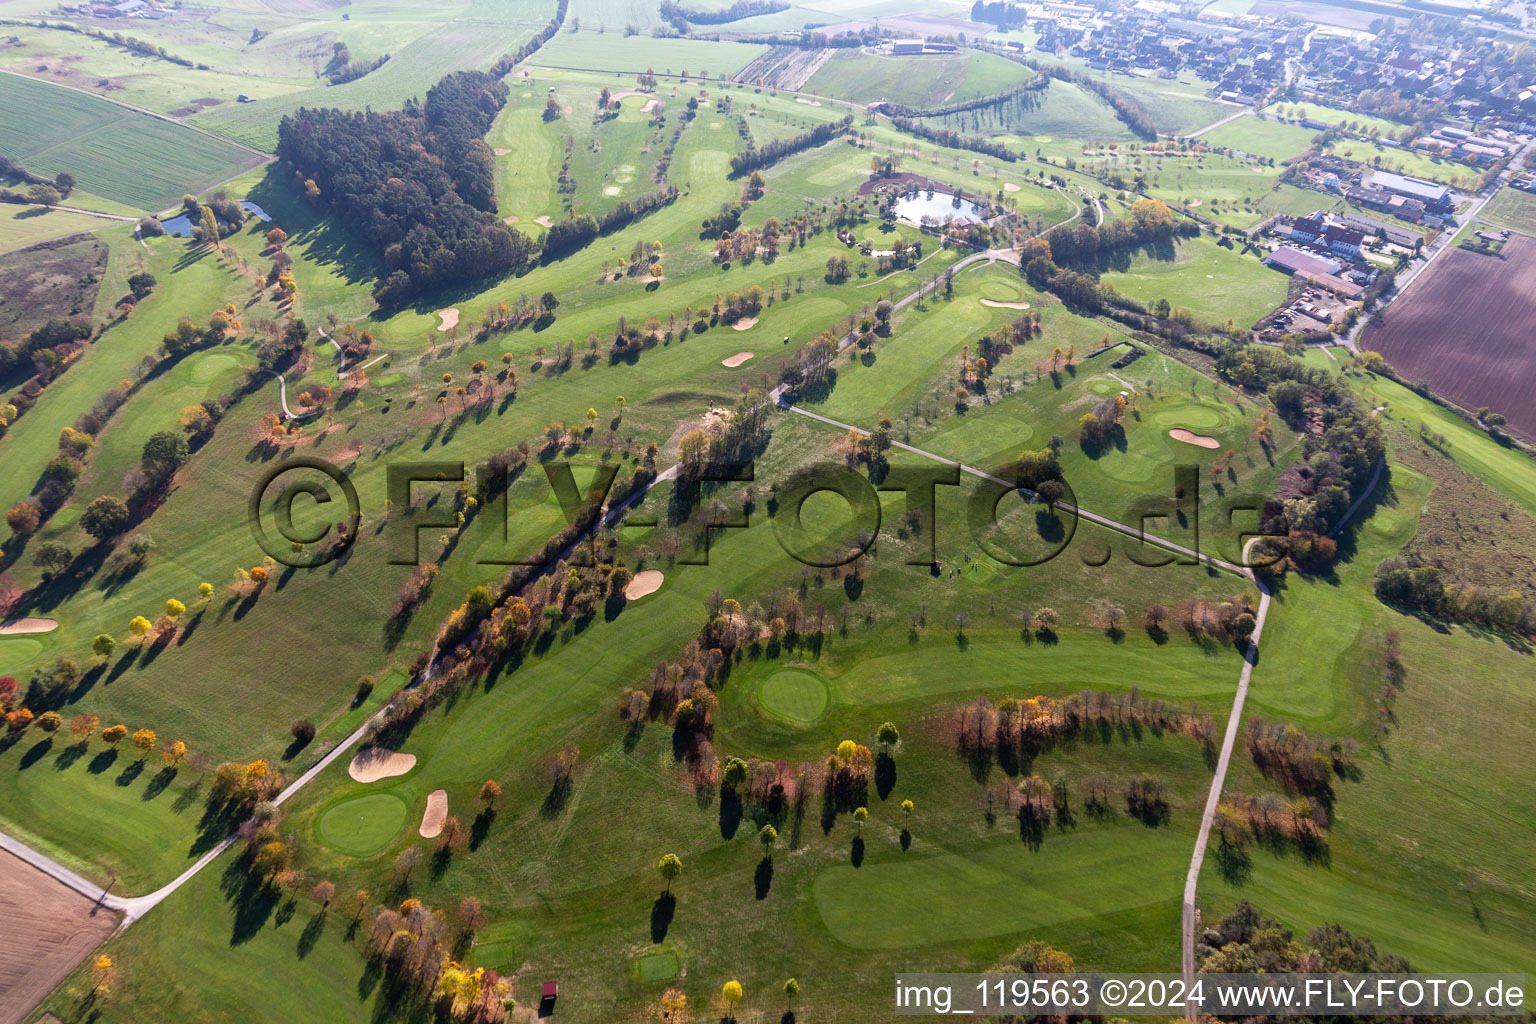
x: 180, y: 226
x: 938, y: 206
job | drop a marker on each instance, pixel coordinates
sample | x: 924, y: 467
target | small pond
x: 939, y: 206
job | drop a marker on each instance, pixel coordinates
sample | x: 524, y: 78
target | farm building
x: 1427, y: 192
x: 906, y: 46
x: 1342, y: 241
x: 1294, y: 261
x: 1371, y: 226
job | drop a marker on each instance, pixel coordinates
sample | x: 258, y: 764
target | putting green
x: 364, y: 825
x: 16, y: 651
x: 796, y: 695
x: 999, y: 290
x: 1191, y: 417
x: 653, y: 968
x: 211, y: 365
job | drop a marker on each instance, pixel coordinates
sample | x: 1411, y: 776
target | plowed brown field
x: 48, y: 930
x: 1466, y: 331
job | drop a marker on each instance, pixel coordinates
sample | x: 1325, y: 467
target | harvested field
x: 49, y: 928
x: 1427, y: 336
x: 785, y: 67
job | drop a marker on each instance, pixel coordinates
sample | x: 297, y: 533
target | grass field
x: 612, y: 51
x: 410, y: 72
x: 1443, y: 893
x: 1215, y: 284
x: 1512, y: 209
x: 128, y: 157
x: 927, y: 80
x: 1260, y: 137
x: 21, y: 226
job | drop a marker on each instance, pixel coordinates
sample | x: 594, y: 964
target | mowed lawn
x: 1214, y: 283
x: 1260, y: 137
x: 1512, y: 209
x: 121, y: 154
x: 925, y: 80
x: 21, y: 226
x: 611, y: 50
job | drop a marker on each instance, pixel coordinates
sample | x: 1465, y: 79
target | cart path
x: 134, y: 907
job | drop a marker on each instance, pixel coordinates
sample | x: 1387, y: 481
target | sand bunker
x: 809, y: 103
x: 1009, y: 186
x: 736, y: 360
x: 643, y: 585
x: 650, y: 106
x: 1005, y: 305
x: 22, y: 627
x: 544, y: 221
x: 509, y: 220
x: 1189, y: 437
x: 501, y: 152
x: 374, y: 763
x: 744, y: 324
x: 437, y: 811
x: 450, y: 319
x: 1193, y: 202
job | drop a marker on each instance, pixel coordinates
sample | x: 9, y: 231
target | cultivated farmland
x: 133, y: 158
x: 1425, y: 335
x: 54, y: 927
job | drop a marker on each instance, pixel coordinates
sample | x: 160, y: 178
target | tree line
x: 757, y: 158
x: 1035, y: 84
x: 953, y: 139
x: 503, y: 67
x: 680, y: 16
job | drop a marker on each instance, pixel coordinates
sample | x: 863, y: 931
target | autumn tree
x: 888, y: 735
x: 114, y: 734
x: 173, y: 753
x: 731, y: 992
x: 791, y: 989
x: 103, y: 645
x: 768, y: 835
x: 670, y: 866
x: 144, y: 739
x: 490, y: 792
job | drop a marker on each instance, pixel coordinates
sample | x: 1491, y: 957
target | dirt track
x: 48, y: 930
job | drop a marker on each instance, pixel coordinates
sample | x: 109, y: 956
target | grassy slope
x: 1261, y: 137
x: 1438, y: 887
